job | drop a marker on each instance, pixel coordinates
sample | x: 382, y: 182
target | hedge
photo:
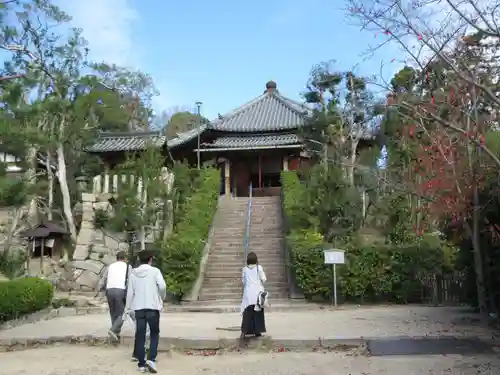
x: 373, y: 273
x: 24, y: 296
x: 180, y: 254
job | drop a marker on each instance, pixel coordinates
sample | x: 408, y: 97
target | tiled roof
x: 111, y: 142
x: 268, y: 112
x: 185, y: 136
x: 254, y: 141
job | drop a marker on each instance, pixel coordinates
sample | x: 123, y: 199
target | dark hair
x: 121, y: 255
x: 252, y: 259
x: 144, y: 256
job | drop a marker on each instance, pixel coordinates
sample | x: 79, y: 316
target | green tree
x: 143, y: 210
x: 60, y: 101
x: 181, y: 121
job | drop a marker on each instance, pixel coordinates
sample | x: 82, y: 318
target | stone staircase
x: 267, y: 241
x: 223, y: 271
x: 222, y: 281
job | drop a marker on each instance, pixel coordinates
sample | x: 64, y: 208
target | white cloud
x: 107, y: 25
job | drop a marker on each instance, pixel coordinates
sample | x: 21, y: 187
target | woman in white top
x: 253, y: 278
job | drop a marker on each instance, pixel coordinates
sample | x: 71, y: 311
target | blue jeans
x: 143, y: 319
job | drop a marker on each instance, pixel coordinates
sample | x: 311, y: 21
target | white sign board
x: 334, y: 256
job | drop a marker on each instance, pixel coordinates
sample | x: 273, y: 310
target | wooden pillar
x: 260, y: 171
x: 285, y: 163
x: 227, y: 178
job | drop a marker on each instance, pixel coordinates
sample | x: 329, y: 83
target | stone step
x: 272, y: 275
x: 266, y: 230
x: 236, y: 210
x: 226, y: 259
x: 235, y: 269
x: 226, y: 230
x: 269, y: 253
x: 238, y: 215
x: 222, y: 254
x: 266, y: 249
x: 266, y: 246
x: 266, y: 240
x: 227, y: 289
x: 262, y: 200
x: 235, y: 213
x: 235, y: 290
x: 229, y: 270
x: 279, y: 288
x: 227, y: 243
x: 228, y: 296
x: 235, y: 282
x: 264, y: 214
x: 270, y: 248
x: 220, y: 237
x: 238, y: 258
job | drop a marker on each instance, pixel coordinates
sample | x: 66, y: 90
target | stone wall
x: 96, y: 248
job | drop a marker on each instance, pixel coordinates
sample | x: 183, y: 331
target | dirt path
x: 79, y: 360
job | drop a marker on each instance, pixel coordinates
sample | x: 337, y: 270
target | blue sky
x: 221, y: 52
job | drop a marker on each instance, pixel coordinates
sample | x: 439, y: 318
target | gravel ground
x: 75, y: 360
x: 349, y: 323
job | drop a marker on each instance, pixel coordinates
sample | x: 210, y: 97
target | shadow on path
x: 428, y: 346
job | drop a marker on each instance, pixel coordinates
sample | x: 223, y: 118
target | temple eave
x: 249, y: 148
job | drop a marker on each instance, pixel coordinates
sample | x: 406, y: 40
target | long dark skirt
x: 253, y: 322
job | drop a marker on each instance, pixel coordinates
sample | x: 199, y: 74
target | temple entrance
x: 262, y: 171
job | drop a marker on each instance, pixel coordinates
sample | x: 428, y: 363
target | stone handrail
x: 111, y: 183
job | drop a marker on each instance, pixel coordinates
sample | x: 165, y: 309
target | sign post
x: 334, y: 257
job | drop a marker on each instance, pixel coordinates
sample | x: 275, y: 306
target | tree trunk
x: 10, y: 234
x: 63, y: 183
x: 352, y: 162
x: 476, y: 244
x: 478, y: 259
x: 30, y: 176
x: 50, y: 178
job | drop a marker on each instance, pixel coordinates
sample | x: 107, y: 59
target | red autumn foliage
x: 441, y: 175
x: 441, y: 172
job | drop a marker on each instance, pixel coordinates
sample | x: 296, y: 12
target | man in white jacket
x: 145, y: 294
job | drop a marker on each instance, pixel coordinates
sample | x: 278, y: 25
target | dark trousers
x: 116, y: 303
x: 144, y: 318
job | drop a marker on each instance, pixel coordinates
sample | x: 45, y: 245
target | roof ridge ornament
x: 271, y: 87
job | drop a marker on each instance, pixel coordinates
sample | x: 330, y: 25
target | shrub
x: 101, y: 218
x: 294, y: 201
x: 24, y: 296
x: 12, y: 263
x: 371, y: 273
x: 306, y: 254
x: 184, y: 184
x: 180, y: 254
